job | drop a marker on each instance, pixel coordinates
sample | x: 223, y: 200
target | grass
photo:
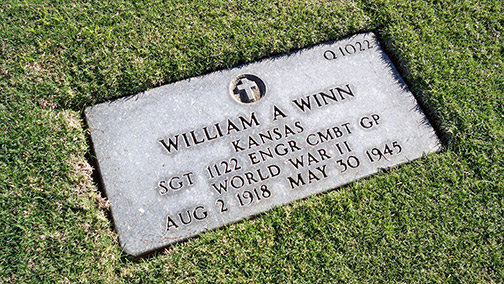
x: 438, y: 219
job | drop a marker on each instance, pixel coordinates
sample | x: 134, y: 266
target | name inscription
x: 208, y: 151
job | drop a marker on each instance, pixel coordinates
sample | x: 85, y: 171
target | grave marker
x: 204, y: 152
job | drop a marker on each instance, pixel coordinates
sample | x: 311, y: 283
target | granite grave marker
x: 207, y: 151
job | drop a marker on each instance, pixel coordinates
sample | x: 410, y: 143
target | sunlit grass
x: 438, y: 219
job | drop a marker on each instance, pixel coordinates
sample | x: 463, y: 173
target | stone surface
x: 204, y: 152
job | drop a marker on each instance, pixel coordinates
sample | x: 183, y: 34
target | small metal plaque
x: 204, y: 152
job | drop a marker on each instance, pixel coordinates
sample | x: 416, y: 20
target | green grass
x: 438, y: 219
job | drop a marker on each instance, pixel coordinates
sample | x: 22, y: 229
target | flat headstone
x: 200, y: 153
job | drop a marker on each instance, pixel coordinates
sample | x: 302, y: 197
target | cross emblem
x: 247, y: 86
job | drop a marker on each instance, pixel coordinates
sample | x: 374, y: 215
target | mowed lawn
x: 437, y: 219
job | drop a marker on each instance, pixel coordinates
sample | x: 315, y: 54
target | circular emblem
x: 247, y: 89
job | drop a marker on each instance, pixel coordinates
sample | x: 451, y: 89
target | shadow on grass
x: 417, y: 90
